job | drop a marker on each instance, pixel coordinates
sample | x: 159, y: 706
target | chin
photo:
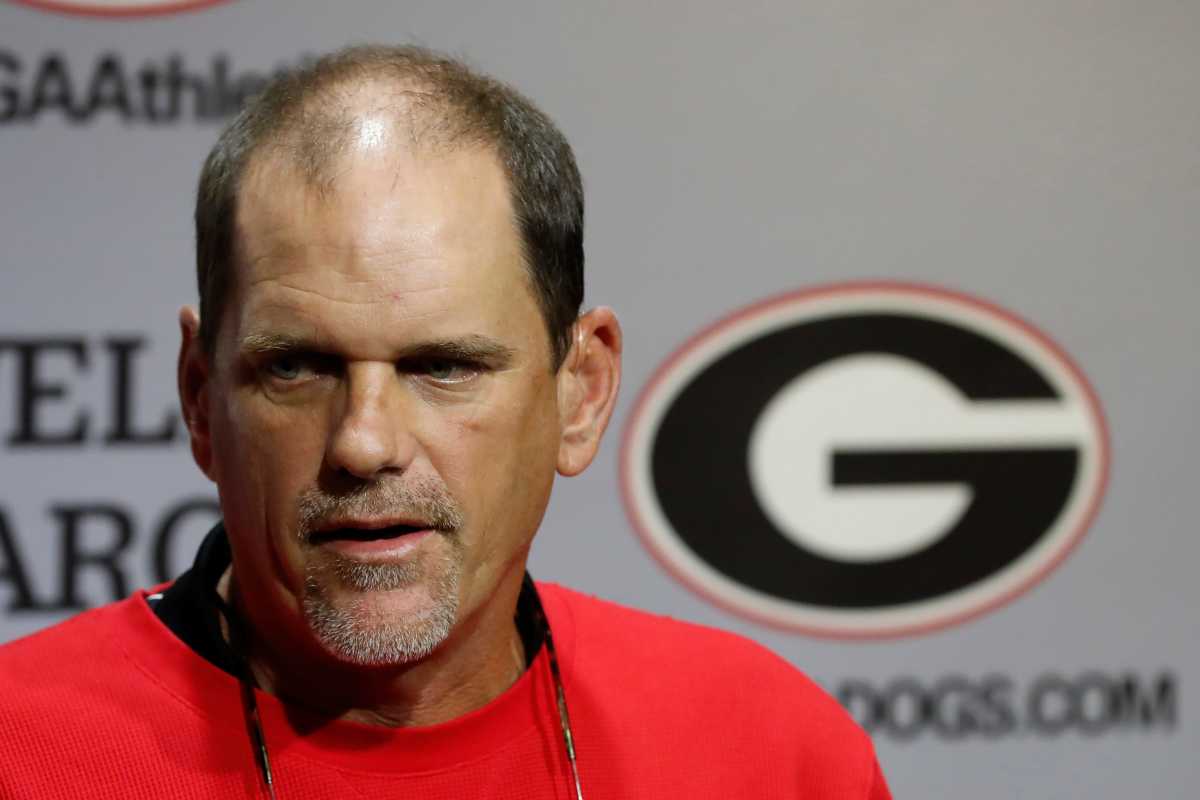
x: 378, y: 626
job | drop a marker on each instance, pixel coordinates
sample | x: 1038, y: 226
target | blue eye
x: 285, y: 368
x: 446, y: 370
x: 442, y: 370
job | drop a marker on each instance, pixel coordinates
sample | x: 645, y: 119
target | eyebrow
x: 473, y: 347
x: 254, y: 343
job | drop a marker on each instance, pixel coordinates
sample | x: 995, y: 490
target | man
x: 387, y: 369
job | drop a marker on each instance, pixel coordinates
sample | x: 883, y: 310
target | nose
x: 370, y: 435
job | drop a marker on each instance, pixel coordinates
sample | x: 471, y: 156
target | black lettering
x: 998, y: 716
x: 33, y: 391
x: 75, y: 557
x: 14, y: 571
x: 1095, y: 703
x: 1148, y: 706
x: 247, y: 86
x: 220, y: 102
x: 1051, y: 705
x: 164, y: 534
x: 178, y: 81
x: 863, y: 703
x: 122, y: 431
x: 150, y: 80
x: 10, y: 96
x: 908, y: 708
x: 956, y: 707
x: 953, y: 694
x: 52, y: 88
x: 109, y: 89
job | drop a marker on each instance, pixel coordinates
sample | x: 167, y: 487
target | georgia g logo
x: 865, y: 460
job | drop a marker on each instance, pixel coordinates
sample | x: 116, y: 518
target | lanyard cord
x: 248, y: 684
x: 559, y: 695
x: 254, y: 721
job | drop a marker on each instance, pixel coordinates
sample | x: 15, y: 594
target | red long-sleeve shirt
x: 111, y: 704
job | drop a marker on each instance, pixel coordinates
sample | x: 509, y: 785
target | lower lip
x: 394, y: 547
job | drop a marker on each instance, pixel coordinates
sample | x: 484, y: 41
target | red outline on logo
x: 76, y: 9
x: 900, y: 287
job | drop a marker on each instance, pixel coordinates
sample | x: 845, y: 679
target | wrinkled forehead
x: 433, y: 231
x: 379, y: 193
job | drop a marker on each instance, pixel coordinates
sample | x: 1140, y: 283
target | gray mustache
x: 425, y: 501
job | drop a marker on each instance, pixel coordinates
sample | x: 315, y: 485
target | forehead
x: 374, y: 189
x: 394, y: 235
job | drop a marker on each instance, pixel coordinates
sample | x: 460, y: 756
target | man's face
x: 384, y: 417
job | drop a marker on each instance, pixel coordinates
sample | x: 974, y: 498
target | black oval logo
x: 865, y: 460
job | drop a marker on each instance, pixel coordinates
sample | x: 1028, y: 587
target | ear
x: 193, y: 373
x: 587, y: 388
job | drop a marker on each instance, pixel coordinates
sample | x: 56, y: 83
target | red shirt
x: 110, y: 704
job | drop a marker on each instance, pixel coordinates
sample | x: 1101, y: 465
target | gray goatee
x: 337, y: 605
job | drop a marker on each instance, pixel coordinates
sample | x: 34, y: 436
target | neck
x: 481, y: 658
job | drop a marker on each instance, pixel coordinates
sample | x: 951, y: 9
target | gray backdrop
x: 1040, y: 156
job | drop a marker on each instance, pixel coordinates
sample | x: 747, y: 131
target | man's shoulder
x: 81, y: 712
x: 72, y: 645
x: 698, y: 695
x: 75, y: 667
x: 669, y: 661
x: 646, y: 636
x: 642, y: 636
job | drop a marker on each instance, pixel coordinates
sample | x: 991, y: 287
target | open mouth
x: 364, y: 534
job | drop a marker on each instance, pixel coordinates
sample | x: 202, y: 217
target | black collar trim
x: 191, y: 608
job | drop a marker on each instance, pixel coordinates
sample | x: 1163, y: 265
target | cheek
x: 500, y: 465
x: 284, y: 436
x: 264, y: 456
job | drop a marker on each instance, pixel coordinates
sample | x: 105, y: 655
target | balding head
x: 383, y: 97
